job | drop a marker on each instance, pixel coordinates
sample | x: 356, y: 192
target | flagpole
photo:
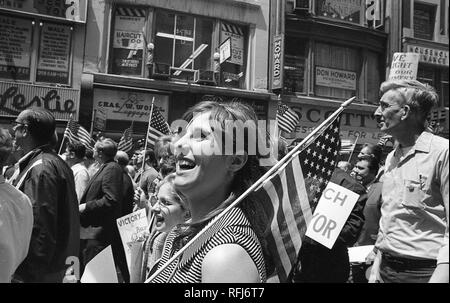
x: 256, y: 185
x: 353, y: 149
x: 64, y: 137
x: 146, y: 142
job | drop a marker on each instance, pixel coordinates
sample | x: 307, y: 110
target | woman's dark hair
x: 256, y: 211
x: 375, y: 151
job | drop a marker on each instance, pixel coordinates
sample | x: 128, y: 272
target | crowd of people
x: 57, y: 206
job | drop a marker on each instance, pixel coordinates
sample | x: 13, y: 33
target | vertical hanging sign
x: 277, y: 63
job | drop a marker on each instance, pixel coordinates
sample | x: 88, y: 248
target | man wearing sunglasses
x: 48, y: 181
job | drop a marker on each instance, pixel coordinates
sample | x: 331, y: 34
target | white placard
x: 131, y: 227
x: 225, y: 50
x: 335, y: 205
x: 101, y: 268
x: 358, y: 254
x: 330, y: 77
x: 404, y: 66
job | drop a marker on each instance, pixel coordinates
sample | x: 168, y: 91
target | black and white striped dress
x: 232, y: 228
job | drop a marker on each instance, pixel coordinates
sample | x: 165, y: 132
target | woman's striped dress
x: 233, y: 228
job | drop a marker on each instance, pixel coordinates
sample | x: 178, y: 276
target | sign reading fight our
x: 404, y: 66
x: 330, y: 215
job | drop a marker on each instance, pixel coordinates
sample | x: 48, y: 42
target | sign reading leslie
x: 331, y: 213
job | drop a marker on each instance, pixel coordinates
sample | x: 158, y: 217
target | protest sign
x: 331, y: 213
x: 404, y: 66
x: 131, y: 228
x: 101, y: 268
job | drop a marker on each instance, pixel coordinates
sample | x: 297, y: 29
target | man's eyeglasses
x: 16, y: 124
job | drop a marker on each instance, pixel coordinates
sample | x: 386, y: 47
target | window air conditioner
x: 205, y: 77
x: 161, y: 71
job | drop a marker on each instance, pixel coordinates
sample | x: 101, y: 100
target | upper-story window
x: 424, y: 19
x: 35, y: 50
x: 158, y: 43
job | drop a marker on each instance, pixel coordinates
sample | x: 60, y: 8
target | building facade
x: 40, y: 57
x: 174, y: 54
x: 334, y: 50
x: 422, y: 27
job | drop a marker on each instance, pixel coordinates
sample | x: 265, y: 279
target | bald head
x: 122, y: 158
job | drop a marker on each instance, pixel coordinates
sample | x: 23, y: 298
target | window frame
x: 432, y: 9
x: 37, y: 25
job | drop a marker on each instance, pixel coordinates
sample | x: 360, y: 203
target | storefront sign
x: 54, y: 54
x: 15, y: 47
x: 335, y: 78
x: 128, y: 45
x: 129, y: 105
x: 99, y: 120
x: 404, y: 66
x: 354, y: 124
x: 237, y: 42
x: 16, y: 97
x: 348, y: 10
x: 430, y: 55
x: 73, y: 10
x: 277, y: 63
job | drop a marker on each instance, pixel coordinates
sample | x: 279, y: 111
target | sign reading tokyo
x: 330, y: 215
x: 73, y: 10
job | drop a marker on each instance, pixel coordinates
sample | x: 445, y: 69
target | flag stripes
x: 126, y: 141
x: 77, y: 133
x: 287, y: 118
x: 157, y: 128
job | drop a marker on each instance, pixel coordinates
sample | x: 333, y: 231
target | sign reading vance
x: 15, y: 97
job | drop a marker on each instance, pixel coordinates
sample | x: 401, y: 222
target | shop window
x: 184, y: 43
x: 336, y: 71
x: 438, y: 78
x: 373, y: 80
x: 128, y: 41
x: 424, y: 18
x: 232, y: 71
x: 45, y: 58
x: 295, y: 65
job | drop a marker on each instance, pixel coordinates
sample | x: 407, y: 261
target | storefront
x: 173, y: 54
x: 39, y: 63
x: 345, y: 57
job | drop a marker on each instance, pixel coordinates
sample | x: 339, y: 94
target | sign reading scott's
x: 14, y: 98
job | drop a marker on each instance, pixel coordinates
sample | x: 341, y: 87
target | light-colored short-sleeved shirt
x: 16, y: 225
x: 415, y: 209
x: 81, y: 177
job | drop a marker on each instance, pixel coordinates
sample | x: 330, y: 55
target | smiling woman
x: 209, y: 179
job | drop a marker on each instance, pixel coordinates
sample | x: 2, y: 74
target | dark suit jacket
x: 103, y: 198
x: 128, y: 194
x: 56, y: 227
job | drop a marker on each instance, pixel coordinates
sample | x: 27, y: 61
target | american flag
x: 77, y: 133
x: 158, y: 127
x: 287, y: 118
x: 295, y: 191
x: 126, y: 141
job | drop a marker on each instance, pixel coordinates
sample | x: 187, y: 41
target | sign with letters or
x: 72, y: 10
x: 277, y: 62
x: 127, y: 105
x: 131, y: 228
x: 16, y: 97
x: 15, y: 47
x: 330, y: 77
x: 54, y: 54
x: 330, y: 215
x: 404, y: 66
x: 225, y: 50
x: 429, y: 55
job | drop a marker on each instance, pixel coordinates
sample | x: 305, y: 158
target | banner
x: 404, y: 66
x: 335, y: 78
x: 335, y: 205
x: 131, y: 228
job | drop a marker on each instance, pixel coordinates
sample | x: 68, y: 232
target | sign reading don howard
x: 404, y: 66
x: 331, y: 213
x: 131, y: 228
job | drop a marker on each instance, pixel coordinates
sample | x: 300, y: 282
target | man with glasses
x: 48, y: 181
x: 413, y: 234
